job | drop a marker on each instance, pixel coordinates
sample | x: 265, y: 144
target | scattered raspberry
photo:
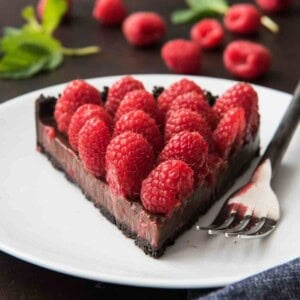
x: 77, y: 93
x: 182, y: 56
x: 129, y: 159
x: 274, y: 5
x: 167, y: 186
x: 208, y: 33
x: 118, y: 91
x: 180, y: 87
x: 144, y: 28
x: 82, y: 114
x: 42, y: 5
x: 109, y: 12
x: 140, y: 122
x: 187, y: 120
x: 93, y: 140
x: 229, y: 135
x: 196, y: 102
x: 242, y: 18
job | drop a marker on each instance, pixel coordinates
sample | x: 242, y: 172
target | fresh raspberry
x: 247, y: 60
x: 242, y: 19
x: 182, y: 56
x: 176, y: 89
x: 144, y: 28
x: 197, y: 103
x: 208, y: 33
x: 274, y: 5
x: 118, y: 90
x: 139, y: 99
x: 189, y: 147
x: 140, y: 122
x: 93, y: 140
x: 240, y: 95
x: 129, y: 159
x: 42, y: 5
x: 76, y: 93
x: 167, y: 186
x: 82, y: 114
x: 109, y: 12
x: 187, y: 120
x: 229, y: 135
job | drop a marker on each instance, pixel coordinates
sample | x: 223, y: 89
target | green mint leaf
x: 28, y: 14
x: 208, y: 6
x: 184, y: 16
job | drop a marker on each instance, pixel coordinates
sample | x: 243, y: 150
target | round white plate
x: 46, y: 220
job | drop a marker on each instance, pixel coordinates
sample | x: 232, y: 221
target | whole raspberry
x: 144, y: 28
x: 189, y: 147
x: 140, y: 122
x: 182, y: 56
x: 109, y: 12
x: 176, y: 89
x: 197, y: 103
x: 93, y: 140
x: 82, y: 114
x: 76, y: 93
x: 42, y: 5
x: 208, y: 33
x: 229, y: 135
x: 187, y: 120
x: 167, y: 186
x: 118, y: 90
x: 274, y: 5
x: 129, y: 159
x: 242, y: 19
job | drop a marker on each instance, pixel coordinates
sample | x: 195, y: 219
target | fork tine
x: 268, y: 226
x: 224, y: 218
x: 224, y: 226
x: 239, y: 227
x: 253, y: 229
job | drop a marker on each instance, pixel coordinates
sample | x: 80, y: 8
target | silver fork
x: 253, y: 210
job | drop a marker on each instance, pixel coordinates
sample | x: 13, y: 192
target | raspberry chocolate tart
x: 152, y: 163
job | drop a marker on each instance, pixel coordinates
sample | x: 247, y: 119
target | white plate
x: 46, y: 220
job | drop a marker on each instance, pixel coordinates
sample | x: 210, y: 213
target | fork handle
x: 284, y: 133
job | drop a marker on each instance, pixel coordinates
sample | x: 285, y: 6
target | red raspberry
x: 42, y: 5
x: 167, y: 186
x: 140, y: 122
x: 187, y: 120
x: 82, y: 114
x: 93, y: 140
x: 129, y: 159
x: 182, y: 56
x: 197, y: 103
x: 189, y: 147
x: 144, y: 28
x: 242, y: 18
x: 229, y: 135
x: 109, y: 12
x: 180, y: 87
x: 240, y: 95
x: 118, y: 90
x: 274, y: 5
x: 76, y: 93
x: 208, y: 33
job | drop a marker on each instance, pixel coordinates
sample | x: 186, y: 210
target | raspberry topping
x: 167, y: 186
x: 93, y: 139
x: 77, y: 93
x: 274, y: 5
x: 129, y: 159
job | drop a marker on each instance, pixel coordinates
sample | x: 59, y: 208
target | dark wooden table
x: 20, y: 280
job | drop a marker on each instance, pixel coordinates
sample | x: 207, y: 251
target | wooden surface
x: 20, y: 280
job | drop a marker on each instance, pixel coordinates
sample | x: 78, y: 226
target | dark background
x: 20, y: 280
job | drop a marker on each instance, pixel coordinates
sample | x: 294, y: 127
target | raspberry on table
x: 140, y: 122
x: 42, y: 5
x: 167, y: 186
x: 242, y: 18
x: 118, y: 90
x: 79, y: 118
x: 129, y: 159
x: 208, y: 33
x: 247, y: 60
x: 144, y: 28
x: 274, y: 5
x: 182, y: 56
x: 93, y: 140
x: 110, y: 12
x: 76, y: 93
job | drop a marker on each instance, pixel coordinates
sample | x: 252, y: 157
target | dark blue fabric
x: 279, y: 283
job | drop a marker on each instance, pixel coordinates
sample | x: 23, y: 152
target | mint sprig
x: 32, y: 49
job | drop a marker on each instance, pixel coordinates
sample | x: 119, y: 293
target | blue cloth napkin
x: 279, y: 283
